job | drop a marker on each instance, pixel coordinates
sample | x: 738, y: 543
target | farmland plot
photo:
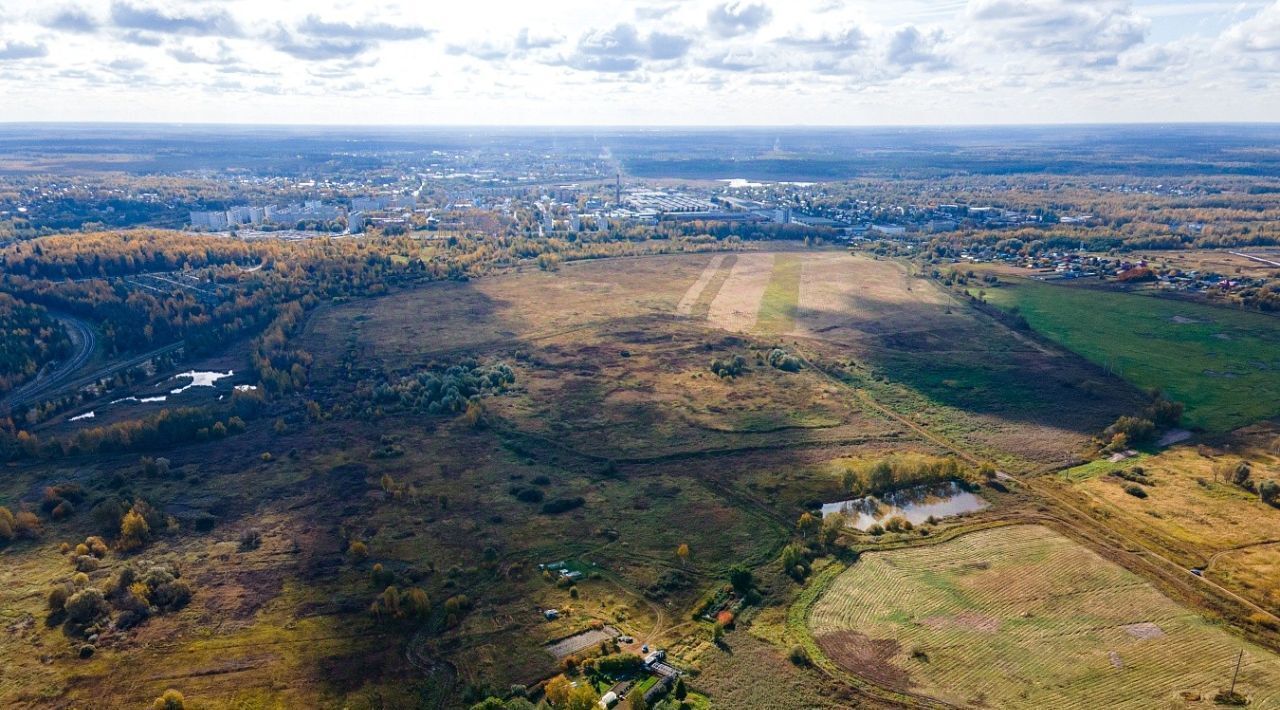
x: 1023, y: 617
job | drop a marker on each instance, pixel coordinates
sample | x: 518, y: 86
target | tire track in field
x: 685, y: 306
x: 737, y: 305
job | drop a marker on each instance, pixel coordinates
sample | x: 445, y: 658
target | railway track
x: 85, y: 341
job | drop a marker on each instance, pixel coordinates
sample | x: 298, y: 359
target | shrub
x: 6, y: 525
x: 798, y: 655
x: 1135, y: 490
x: 171, y: 595
x: 86, y: 606
x: 562, y: 505
x: 85, y: 563
x: 170, y: 700
x: 358, y: 551
x: 62, y: 510
x: 619, y: 663
x: 57, y: 598
x: 898, y: 524
x: 741, y: 578
x: 1269, y: 491
x: 778, y: 358
x: 96, y: 546
x: 529, y: 495
x: 1165, y: 412
x: 732, y: 367
x: 876, y: 529
x: 381, y: 577
x: 1135, y: 429
x: 107, y: 514
x: 27, y: 525
x: 415, y: 604
x: 251, y: 539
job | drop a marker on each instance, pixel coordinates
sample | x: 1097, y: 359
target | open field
x: 922, y: 353
x: 1022, y: 617
x: 1222, y: 363
x: 1195, y: 516
x: 736, y: 305
x: 613, y: 411
x: 1221, y: 261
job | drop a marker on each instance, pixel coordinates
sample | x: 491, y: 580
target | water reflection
x: 917, y: 505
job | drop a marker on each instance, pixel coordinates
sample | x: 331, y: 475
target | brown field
x: 850, y: 299
x: 1220, y: 261
x: 691, y: 297
x: 614, y: 402
x: 737, y: 304
x: 1197, y: 519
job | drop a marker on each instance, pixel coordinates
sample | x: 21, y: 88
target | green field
x: 1223, y: 364
x: 1023, y: 617
x: 778, y: 305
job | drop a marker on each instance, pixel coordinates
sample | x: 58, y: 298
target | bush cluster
x: 444, y: 392
x: 778, y: 358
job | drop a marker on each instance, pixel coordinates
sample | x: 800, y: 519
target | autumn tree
x: 557, y: 690
x: 807, y: 524
x: 832, y: 525
x: 134, y: 530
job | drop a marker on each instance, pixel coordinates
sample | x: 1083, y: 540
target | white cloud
x: 1071, y: 32
x: 766, y: 61
x: 731, y: 19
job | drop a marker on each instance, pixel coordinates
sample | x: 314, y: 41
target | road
x: 82, y: 338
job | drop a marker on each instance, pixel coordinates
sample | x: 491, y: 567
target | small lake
x: 941, y: 500
x: 200, y: 379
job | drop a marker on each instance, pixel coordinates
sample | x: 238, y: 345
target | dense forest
x: 29, y: 338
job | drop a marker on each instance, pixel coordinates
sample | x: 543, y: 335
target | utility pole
x: 1236, y: 674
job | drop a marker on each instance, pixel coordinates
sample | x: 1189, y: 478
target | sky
x: 652, y: 62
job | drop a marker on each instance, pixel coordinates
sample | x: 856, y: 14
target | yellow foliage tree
x: 134, y: 531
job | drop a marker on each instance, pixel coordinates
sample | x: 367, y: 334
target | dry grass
x: 1022, y: 617
x: 737, y: 304
x: 691, y: 297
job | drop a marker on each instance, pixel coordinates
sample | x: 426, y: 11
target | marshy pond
x: 940, y: 500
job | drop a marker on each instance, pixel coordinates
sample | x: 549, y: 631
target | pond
x: 941, y: 500
x: 200, y: 379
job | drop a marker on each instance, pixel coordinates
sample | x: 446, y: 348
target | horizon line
x: 640, y: 126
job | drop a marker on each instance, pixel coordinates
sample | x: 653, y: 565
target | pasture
x: 1223, y: 364
x: 1020, y: 616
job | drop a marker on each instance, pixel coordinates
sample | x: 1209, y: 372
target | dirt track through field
x: 737, y: 305
x: 685, y: 307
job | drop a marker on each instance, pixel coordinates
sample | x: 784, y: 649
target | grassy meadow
x: 1192, y: 514
x: 1223, y: 364
x: 1021, y: 617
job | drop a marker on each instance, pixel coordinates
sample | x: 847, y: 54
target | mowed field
x: 1224, y: 364
x: 916, y: 350
x: 1020, y: 616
